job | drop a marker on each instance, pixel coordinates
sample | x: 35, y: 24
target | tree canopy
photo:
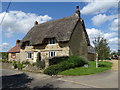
x: 101, y: 47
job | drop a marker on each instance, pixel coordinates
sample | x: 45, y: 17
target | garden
x: 75, y: 65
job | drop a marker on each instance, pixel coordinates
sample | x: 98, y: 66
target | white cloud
x: 98, y: 6
x: 102, y: 18
x: 113, y: 40
x: 20, y: 22
x: 114, y: 25
x: 5, y: 46
x: 112, y: 37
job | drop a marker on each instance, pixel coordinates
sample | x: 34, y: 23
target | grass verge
x: 103, y: 66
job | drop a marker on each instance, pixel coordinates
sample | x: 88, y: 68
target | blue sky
x: 101, y: 18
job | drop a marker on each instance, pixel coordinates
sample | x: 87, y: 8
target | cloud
x: 102, y: 18
x: 112, y: 37
x: 98, y: 6
x: 5, y: 46
x: 20, y: 22
x: 113, y: 40
x: 114, y: 25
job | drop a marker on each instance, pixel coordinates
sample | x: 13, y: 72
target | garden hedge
x: 70, y: 62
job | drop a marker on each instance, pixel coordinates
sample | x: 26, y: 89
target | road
x: 27, y: 80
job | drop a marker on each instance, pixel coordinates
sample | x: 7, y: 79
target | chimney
x: 77, y: 11
x: 35, y: 23
x: 17, y: 42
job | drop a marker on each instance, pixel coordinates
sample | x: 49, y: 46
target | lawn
x: 91, y: 69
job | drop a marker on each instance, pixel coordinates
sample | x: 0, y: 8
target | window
x: 51, y: 41
x: 52, y: 54
x: 28, y: 44
x: 13, y: 55
x: 29, y: 55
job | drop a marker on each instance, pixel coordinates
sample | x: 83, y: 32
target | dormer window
x: 52, y: 41
x: 28, y: 44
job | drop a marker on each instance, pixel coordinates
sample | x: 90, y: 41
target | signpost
x: 96, y: 60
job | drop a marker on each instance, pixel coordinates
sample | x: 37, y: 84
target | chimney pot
x: 35, y: 23
x: 77, y: 11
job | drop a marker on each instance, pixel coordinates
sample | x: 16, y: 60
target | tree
x: 101, y: 47
x: 4, y: 55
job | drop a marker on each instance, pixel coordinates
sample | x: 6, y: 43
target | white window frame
x: 52, y: 41
x: 50, y: 54
x: 28, y: 57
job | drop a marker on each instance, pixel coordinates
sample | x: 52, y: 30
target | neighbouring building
x: 14, y: 52
x: 91, y: 53
x: 62, y: 37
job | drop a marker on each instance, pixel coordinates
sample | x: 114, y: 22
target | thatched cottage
x: 62, y: 37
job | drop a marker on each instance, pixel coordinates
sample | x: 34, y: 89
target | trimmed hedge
x: 71, y: 62
x: 56, y: 60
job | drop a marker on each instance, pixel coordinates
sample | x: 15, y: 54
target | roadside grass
x: 91, y: 69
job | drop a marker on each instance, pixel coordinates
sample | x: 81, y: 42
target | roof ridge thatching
x: 61, y: 29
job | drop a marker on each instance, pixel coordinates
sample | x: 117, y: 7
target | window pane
x: 51, y: 53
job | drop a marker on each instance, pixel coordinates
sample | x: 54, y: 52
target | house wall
x: 23, y: 54
x: 91, y: 56
x: 17, y: 57
x: 61, y: 49
x: 78, y: 43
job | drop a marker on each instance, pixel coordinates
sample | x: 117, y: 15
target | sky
x: 101, y: 18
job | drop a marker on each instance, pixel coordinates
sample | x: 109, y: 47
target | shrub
x: 5, y: 60
x: 20, y: 66
x: 33, y: 64
x: 40, y: 64
x: 14, y: 64
x: 71, y: 62
x: 26, y: 62
x: 56, y: 60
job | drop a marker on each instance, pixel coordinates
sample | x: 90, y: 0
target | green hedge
x: 56, y: 60
x: 71, y: 62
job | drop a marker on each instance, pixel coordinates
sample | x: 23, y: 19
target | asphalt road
x: 27, y: 80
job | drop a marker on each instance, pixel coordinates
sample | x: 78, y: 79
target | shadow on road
x: 15, y: 81
x: 21, y: 81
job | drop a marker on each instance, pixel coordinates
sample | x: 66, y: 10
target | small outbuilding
x: 91, y: 53
x: 14, y: 52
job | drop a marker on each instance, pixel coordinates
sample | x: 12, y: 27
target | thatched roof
x: 61, y: 29
x: 91, y: 50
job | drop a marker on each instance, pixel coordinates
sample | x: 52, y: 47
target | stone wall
x: 61, y: 49
x: 17, y: 57
x: 23, y: 54
x: 78, y: 43
x: 91, y: 56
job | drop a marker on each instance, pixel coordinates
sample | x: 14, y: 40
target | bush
x: 56, y: 60
x: 20, y: 66
x: 26, y: 62
x: 40, y: 64
x: 71, y: 62
x: 5, y: 60
x: 14, y: 63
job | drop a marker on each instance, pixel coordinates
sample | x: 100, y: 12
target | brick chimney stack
x: 17, y: 42
x: 77, y: 11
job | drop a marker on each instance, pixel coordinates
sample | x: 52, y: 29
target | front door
x: 35, y: 56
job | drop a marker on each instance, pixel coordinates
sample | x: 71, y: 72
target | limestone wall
x: 17, y: 57
x: 60, y: 49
